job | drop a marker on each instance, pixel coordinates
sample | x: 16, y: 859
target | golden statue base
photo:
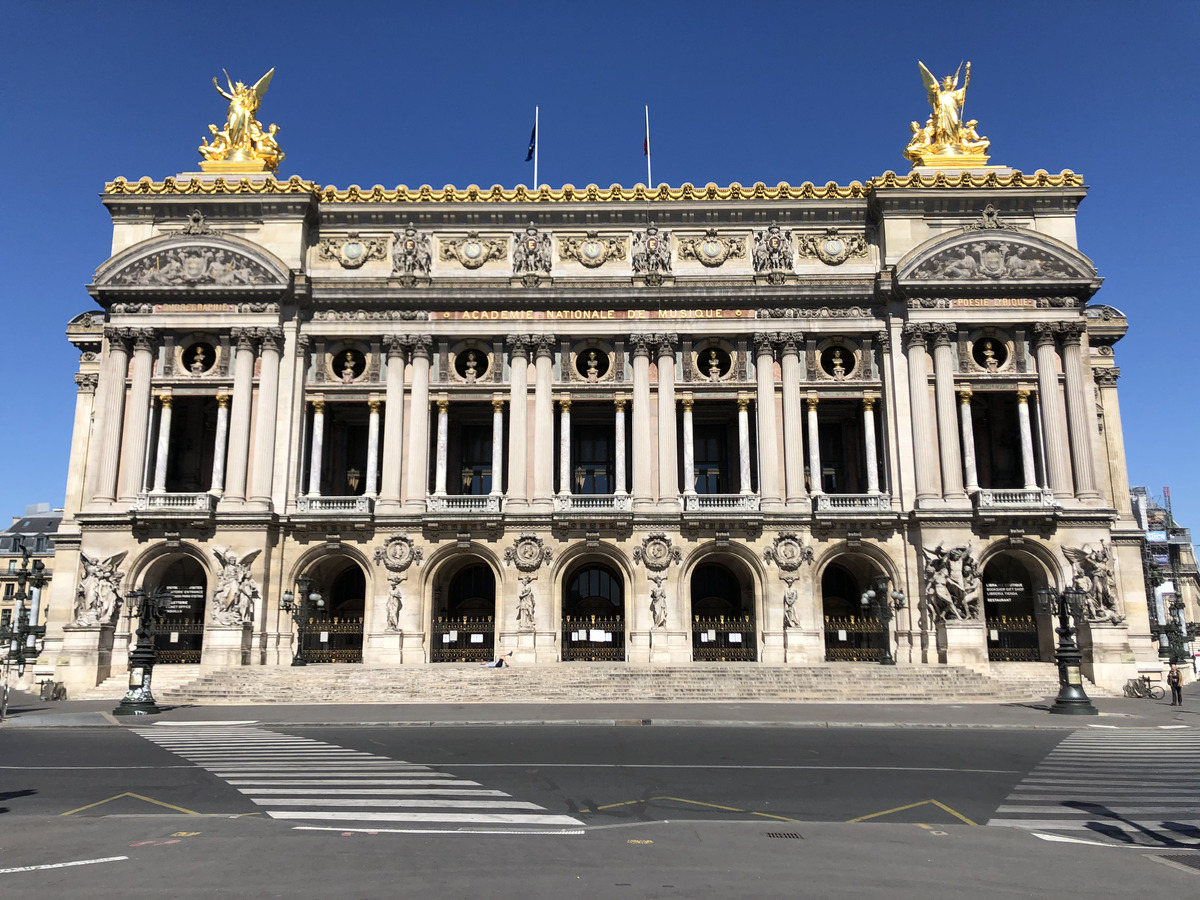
x: 953, y: 161
x: 236, y: 167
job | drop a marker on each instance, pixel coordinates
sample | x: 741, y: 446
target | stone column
x: 768, y: 436
x: 543, y: 423
x: 668, y: 449
x: 642, y: 485
x: 393, y: 425
x: 110, y: 415
x: 137, y: 416
x: 689, y: 446
x: 1028, y: 466
x: 924, y: 451
x: 793, y: 426
x: 239, y: 417
x: 1057, y: 466
x: 443, y: 441
x: 516, y: 499
x: 318, y: 445
x: 814, y: 448
x: 968, y: 440
x: 372, y: 486
x: 564, y: 447
x: 164, y: 445
x: 944, y: 366
x: 264, y: 420
x: 619, y: 446
x: 1081, y: 416
x: 418, y: 426
x: 497, y: 447
x: 743, y: 407
x: 870, y: 447
x: 219, y: 441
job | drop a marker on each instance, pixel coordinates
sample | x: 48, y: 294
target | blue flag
x: 532, y: 144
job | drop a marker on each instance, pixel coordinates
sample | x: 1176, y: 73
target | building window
x: 8, y: 591
x: 12, y: 565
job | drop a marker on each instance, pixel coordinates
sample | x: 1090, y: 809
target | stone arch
x: 338, y: 574
x: 603, y: 634
x: 566, y: 561
x: 1011, y: 574
x: 880, y: 557
x: 755, y: 570
x: 723, y: 630
x: 1056, y: 571
x: 468, y: 633
x: 192, y: 262
x: 840, y: 577
x: 180, y: 638
x: 139, y: 568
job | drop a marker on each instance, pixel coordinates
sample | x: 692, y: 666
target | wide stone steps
x: 167, y: 678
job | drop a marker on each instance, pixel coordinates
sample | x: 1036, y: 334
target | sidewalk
x: 25, y: 711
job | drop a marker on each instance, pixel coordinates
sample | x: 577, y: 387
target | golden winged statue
x: 242, y: 145
x: 946, y: 140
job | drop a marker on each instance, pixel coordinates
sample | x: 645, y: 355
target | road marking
x: 468, y: 818
x: 937, y: 803
x: 557, y: 831
x: 308, y: 792
x: 598, y: 765
x: 691, y: 802
x: 190, y: 812
x: 380, y: 803
x: 77, y: 862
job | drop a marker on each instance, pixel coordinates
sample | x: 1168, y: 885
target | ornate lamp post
x: 1177, y: 634
x: 139, y: 699
x: 299, y: 611
x: 876, y: 598
x: 1072, y: 700
x: 20, y: 641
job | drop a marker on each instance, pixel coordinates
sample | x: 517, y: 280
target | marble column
x: 814, y: 448
x: 164, y: 445
x: 517, y: 499
x: 924, y: 447
x: 619, y: 446
x: 1058, y: 468
x: 744, y: 483
x: 1028, y: 467
x: 239, y: 416
x: 265, y: 417
x: 642, y: 495
x: 668, y: 449
x: 137, y: 416
x: 768, y: 436
x: 218, y: 470
x: 1081, y: 416
x: 689, y: 446
x: 564, y: 447
x: 968, y: 440
x: 870, y: 447
x: 372, y: 486
x: 418, y: 426
x: 543, y: 423
x: 793, y: 425
x: 497, y: 447
x: 443, y: 443
x: 944, y: 366
x: 110, y: 415
x: 393, y: 426
x: 318, y: 446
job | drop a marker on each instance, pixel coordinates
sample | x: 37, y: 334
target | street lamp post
x: 1177, y: 634
x: 1071, y: 700
x: 876, y: 598
x: 139, y: 699
x: 21, y: 641
x: 297, y: 605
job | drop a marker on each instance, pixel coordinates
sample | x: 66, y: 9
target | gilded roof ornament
x: 946, y: 140
x: 242, y: 145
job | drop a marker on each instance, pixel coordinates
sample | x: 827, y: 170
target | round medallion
x: 774, y: 243
x: 531, y: 245
x: 652, y: 244
x: 352, y: 250
x: 834, y: 246
x: 472, y: 249
x: 410, y: 245
x: 711, y: 249
x: 592, y: 249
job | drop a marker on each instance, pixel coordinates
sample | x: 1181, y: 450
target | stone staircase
x: 167, y: 679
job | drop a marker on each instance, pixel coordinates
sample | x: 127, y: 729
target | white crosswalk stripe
x: 304, y: 780
x: 1136, y: 786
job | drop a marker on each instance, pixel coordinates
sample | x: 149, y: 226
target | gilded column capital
x: 965, y: 394
x: 443, y: 404
x: 619, y: 403
x: 497, y: 405
x: 743, y: 404
x: 318, y: 406
x: 687, y: 402
x: 373, y: 405
x: 86, y: 382
x: 812, y: 403
x: 868, y: 403
x: 165, y: 400
x: 1023, y: 396
x: 564, y: 404
x: 223, y: 401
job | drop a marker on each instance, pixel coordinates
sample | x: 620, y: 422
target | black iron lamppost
x: 1071, y: 700
x: 20, y: 641
x: 139, y: 699
x: 299, y: 611
x: 885, y: 607
x: 1176, y: 633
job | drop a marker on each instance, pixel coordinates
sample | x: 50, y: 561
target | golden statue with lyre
x: 946, y: 141
x: 242, y: 145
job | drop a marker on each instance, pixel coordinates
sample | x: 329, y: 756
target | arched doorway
x: 333, y: 630
x: 1015, y: 632
x: 464, y: 616
x: 593, y: 614
x: 852, y: 633
x: 723, y: 627
x: 179, y: 637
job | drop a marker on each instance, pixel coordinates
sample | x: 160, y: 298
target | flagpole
x: 536, y: 141
x: 649, y: 182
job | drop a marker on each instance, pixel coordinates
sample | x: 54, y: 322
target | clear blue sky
x: 426, y: 93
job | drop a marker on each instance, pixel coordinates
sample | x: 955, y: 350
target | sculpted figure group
x: 944, y: 133
x: 243, y: 137
x: 236, y: 592
x: 951, y: 583
x: 96, y: 598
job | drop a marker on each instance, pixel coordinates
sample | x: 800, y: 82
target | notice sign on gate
x: 1002, y: 592
x: 183, y: 598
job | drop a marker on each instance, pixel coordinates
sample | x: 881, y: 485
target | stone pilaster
x: 668, y: 450
x: 264, y: 421
x: 239, y: 417
x: 517, y: 498
x: 768, y: 437
x: 393, y: 425
x: 924, y: 446
x: 543, y: 423
x: 1081, y: 417
x: 137, y: 416
x: 1053, y: 420
x: 643, y: 487
x: 418, y: 426
x: 793, y: 428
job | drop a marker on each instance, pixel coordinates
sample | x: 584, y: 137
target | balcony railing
x: 174, y: 503
x: 853, y: 502
x: 592, y: 502
x: 463, y: 503
x: 1016, y: 499
x: 314, y: 504
x: 720, y: 502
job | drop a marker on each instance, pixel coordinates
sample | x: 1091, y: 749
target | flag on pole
x: 532, y: 142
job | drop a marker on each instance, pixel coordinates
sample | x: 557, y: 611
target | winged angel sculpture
x: 945, y: 137
x: 1092, y: 573
x: 236, y: 591
x: 96, y: 598
x: 243, y: 139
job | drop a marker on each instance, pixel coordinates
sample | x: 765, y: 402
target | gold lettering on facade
x: 583, y: 315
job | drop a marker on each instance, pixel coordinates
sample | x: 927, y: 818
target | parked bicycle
x: 1141, y: 687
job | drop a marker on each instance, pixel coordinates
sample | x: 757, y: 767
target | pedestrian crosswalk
x: 1128, y: 786
x: 323, y: 786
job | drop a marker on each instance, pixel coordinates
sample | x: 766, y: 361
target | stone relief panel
x: 412, y: 255
x: 652, y: 254
x: 951, y: 583
x: 656, y: 552
x: 832, y: 247
x: 351, y: 251
x: 472, y: 251
x: 773, y: 251
x: 532, y: 252
x: 398, y: 553
x: 788, y: 552
x: 528, y: 553
x: 194, y: 266
x: 592, y: 250
x: 711, y: 249
x: 992, y: 260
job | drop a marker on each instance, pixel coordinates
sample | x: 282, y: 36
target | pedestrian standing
x: 1175, y: 681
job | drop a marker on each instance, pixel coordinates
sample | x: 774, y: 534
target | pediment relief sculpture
x: 192, y: 266
x: 988, y: 260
